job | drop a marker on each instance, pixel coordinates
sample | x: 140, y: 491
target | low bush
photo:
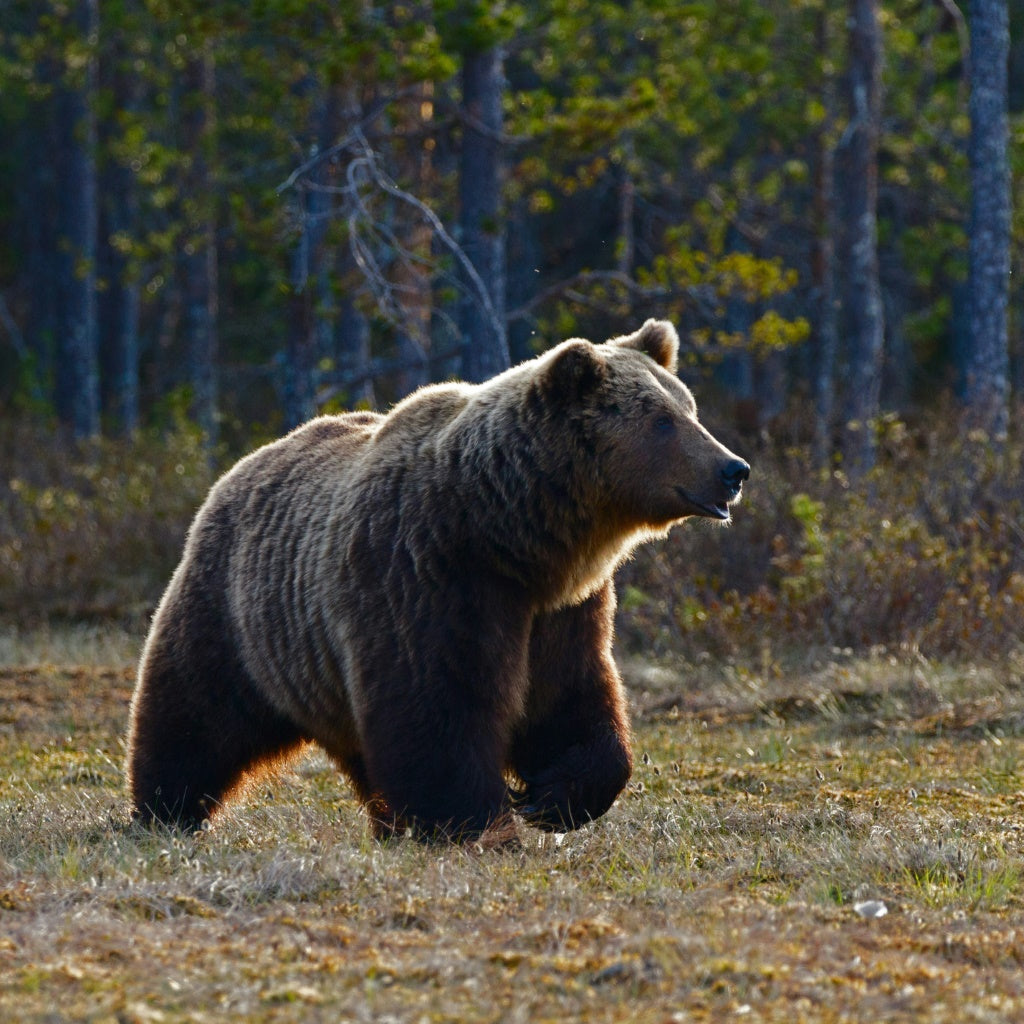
x: 93, y: 531
x: 926, y: 552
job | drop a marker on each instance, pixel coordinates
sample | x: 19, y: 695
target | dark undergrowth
x: 926, y: 553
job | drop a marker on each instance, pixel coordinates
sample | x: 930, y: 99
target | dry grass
x: 81, y: 644
x: 766, y: 805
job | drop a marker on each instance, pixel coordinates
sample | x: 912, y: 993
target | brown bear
x: 428, y: 596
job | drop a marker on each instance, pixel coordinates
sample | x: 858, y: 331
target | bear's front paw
x: 577, y: 787
x: 548, y: 804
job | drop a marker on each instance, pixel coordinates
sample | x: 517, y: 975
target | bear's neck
x: 530, y: 515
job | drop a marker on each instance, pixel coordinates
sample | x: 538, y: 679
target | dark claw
x: 547, y: 819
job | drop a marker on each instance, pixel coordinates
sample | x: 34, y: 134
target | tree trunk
x: 412, y: 287
x: 524, y: 256
x: 77, y: 359
x: 199, y: 262
x: 119, y: 335
x: 36, y: 200
x: 310, y: 326
x: 863, y: 298
x: 301, y: 349
x: 989, y: 249
x: 353, y: 347
x: 300, y: 356
x: 736, y: 372
x: 120, y: 299
x: 409, y: 277
x: 481, y: 219
x: 824, y: 271
x: 330, y: 115
x: 350, y: 338
x: 626, y: 245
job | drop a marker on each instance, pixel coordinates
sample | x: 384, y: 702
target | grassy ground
x: 768, y: 806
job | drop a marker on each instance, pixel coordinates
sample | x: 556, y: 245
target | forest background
x: 219, y: 219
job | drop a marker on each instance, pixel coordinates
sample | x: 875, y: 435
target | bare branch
x: 356, y: 135
x: 962, y: 33
x: 384, y: 182
x: 369, y: 238
x: 569, y: 288
x: 464, y: 117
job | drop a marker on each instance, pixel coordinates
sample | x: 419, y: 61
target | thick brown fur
x: 428, y: 595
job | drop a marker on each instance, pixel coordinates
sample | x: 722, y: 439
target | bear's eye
x: 664, y: 424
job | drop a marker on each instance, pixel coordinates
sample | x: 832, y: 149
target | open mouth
x: 713, y: 510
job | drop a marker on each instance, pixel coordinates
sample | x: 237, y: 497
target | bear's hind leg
x: 384, y: 823
x: 190, y: 745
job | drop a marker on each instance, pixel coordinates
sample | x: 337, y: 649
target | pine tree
x: 989, y: 252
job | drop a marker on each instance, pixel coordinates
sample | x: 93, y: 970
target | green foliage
x: 806, y: 571
x: 664, y: 160
x: 471, y: 26
x: 670, y: 100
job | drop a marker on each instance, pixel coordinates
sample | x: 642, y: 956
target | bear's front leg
x: 437, y: 773
x: 572, y: 750
x: 435, y: 717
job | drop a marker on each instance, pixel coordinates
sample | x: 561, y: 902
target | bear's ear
x: 575, y: 371
x: 657, y: 339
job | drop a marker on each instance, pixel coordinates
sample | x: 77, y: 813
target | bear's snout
x: 733, y: 473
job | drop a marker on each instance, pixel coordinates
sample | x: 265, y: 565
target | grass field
x: 769, y: 805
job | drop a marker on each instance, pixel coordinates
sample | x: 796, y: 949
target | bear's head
x: 651, y: 460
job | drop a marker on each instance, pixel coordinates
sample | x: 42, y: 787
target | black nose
x: 734, y: 472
